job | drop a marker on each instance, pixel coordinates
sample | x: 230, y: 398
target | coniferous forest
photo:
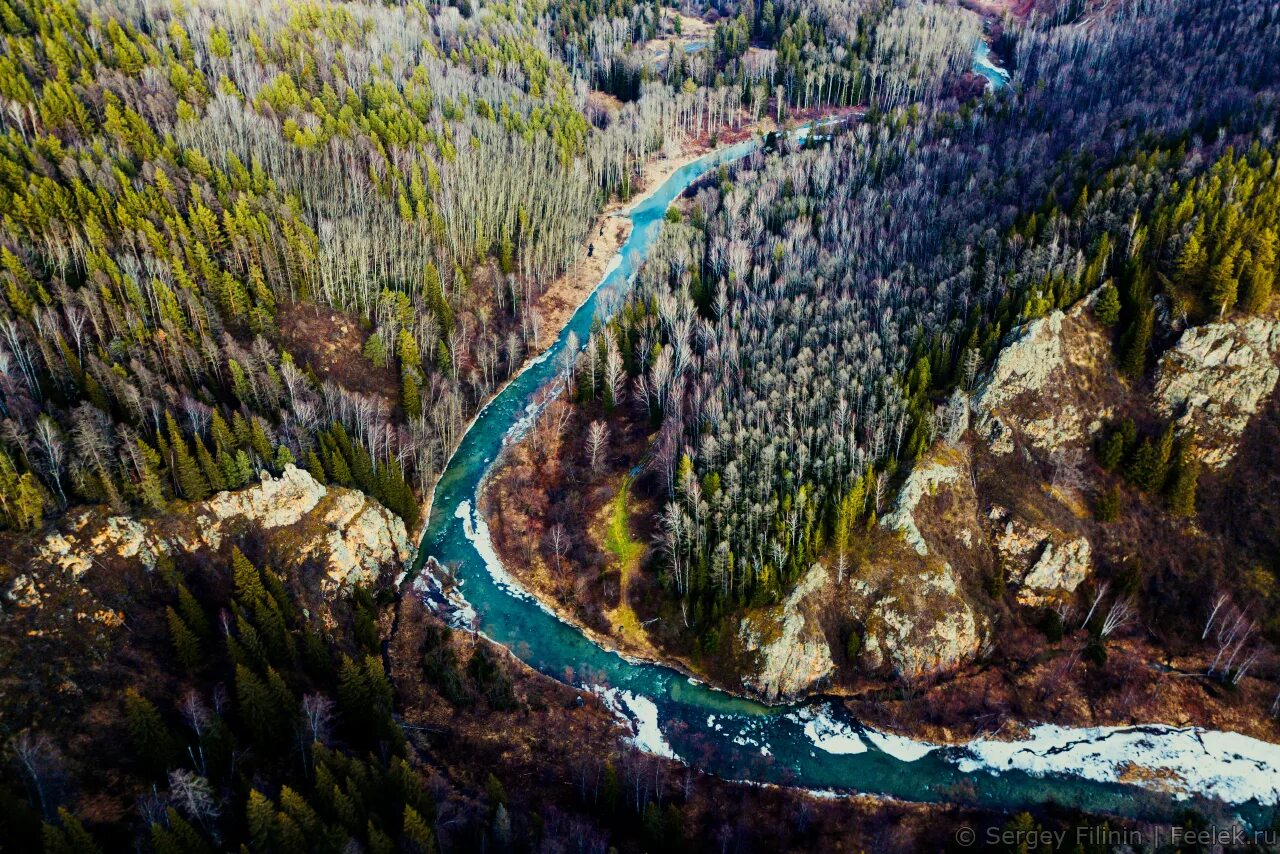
x: 307, y: 241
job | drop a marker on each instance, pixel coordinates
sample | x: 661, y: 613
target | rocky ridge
x: 1050, y: 387
x: 790, y: 650
x: 350, y: 535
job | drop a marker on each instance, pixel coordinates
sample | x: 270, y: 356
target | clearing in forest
x: 627, y: 551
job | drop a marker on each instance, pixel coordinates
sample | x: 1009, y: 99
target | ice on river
x: 1231, y: 767
x: 899, y: 746
x: 827, y: 733
x: 640, y: 714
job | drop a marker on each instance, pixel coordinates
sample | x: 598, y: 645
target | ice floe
x: 827, y: 733
x: 477, y: 532
x: 898, y: 746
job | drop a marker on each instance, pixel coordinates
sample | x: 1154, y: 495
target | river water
x: 811, y: 745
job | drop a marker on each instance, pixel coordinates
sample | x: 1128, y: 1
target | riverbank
x: 562, y: 297
x: 558, y: 301
x: 812, y: 745
x: 540, y: 482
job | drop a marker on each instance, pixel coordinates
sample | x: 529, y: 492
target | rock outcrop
x: 352, y: 536
x: 923, y: 480
x: 1051, y: 386
x: 919, y: 626
x: 1215, y: 379
x: 791, y: 653
x: 1045, y: 565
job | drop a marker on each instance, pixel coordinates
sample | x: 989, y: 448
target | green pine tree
x: 1107, y: 307
x: 191, y: 480
x: 1186, y: 475
x: 212, y: 473
x: 185, y: 642
x: 151, y: 738
x: 260, y: 818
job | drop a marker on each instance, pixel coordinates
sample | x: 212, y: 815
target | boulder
x: 1023, y: 367
x: 1215, y: 379
x: 1051, y: 386
x: 790, y: 650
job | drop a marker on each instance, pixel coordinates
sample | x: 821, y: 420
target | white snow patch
x: 640, y: 714
x: 452, y: 605
x: 1228, y: 766
x: 477, y: 531
x: 899, y: 746
x: 827, y: 733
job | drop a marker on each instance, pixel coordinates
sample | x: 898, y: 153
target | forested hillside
x: 805, y: 353
x: 793, y: 339
x: 238, y: 237
x: 182, y: 183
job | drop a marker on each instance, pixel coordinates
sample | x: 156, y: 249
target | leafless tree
x: 1098, y: 595
x: 193, y: 795
x: 597, y: 440
x: 318, y: 712
x: 40, y: 762
x: 1234, y: 632
x: 558, y: 539
x: 1118, y: 616
x: 1066, y: 468
x: 1219, y: 601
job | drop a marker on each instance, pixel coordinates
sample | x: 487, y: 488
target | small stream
x: 817, y: 745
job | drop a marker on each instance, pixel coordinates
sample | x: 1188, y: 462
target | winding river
x: 811, y: 745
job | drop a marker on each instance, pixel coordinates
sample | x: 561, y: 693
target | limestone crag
x: 1050, y: 386
x: 1024, y: 366
x: 1045, y: 565
x: 922, y: 626
x: 352, y: 536
x: 791, y: 652
x: 1215, y: 379
x: 924, y: 479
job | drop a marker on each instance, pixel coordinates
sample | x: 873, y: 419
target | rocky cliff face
x: 1051, y: 387
x: 920, y: 625
x: 351, y: 536
x: 1011, y: 498
x: 1046, y: 565
x: 924, y: 479
x: 790, y: 651
x: 1215, y: 379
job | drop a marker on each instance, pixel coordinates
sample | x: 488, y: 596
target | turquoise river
x: 813, y: 745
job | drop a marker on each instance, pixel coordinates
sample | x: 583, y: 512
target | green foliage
x: 154, y: 744
x: 1107, y: 307
x: 68, y: 836
x: 1109, y: 504
x: 1183, y: 481
x: 853, y: 645
x: 185, y: 642
x: 490, y: 680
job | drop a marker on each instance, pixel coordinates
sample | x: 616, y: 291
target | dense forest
x: 818, y: 318
x: 238, y: 237
x: 181, y: 183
